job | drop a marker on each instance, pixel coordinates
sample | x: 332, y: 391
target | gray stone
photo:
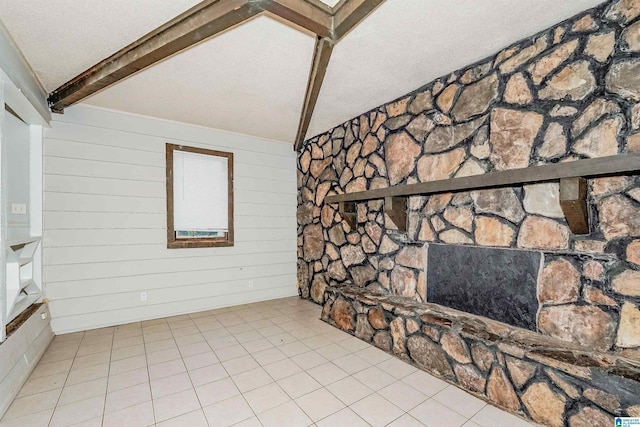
x: 318, y: 286
x: 500, y: 201
x: 422, y: 102
x: 601, y: 140
x: 543, y: 199
x: 429, y: 356
x: 631, y: 36
x: 337, y: 271
x: 574, y: 82
x: 475, y: 99
x: 364, y: 331
x: 623, y: 11
x: 399, y: 334
x: 352, y: 255
x: 623, y: 79
x: 555, y: 142
x: 397, y: 122
x: 593, y: 112
x: 403, y: 282
x: 362, y: 274
x: 420, y: 127
x: 313, y: 246
x: 336, y: 235
x: 383, y: 341
x: 445, y: 137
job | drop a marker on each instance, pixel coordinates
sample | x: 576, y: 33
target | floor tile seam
x: 454, y: 409
x: 153, y: 407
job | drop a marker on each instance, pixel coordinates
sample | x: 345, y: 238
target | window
x: 199, y: 197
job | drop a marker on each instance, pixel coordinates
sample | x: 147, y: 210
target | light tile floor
x: 272, y: 363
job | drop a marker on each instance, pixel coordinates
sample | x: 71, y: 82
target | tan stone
x: 352, y: 255
x: 460, y: 217
x: 455, y: 237
x: 609, y: 185
x: 455, y: 347
x: 517, y: 90
x: 397, y: 108
x: 398, y: 333
x: 635, y: 116
x: 563, y: 111
x: 445, y: 137
x: 403, y: 282
x: 359, y: 184
x: 593, y: 270
x: 426, y: 233
x: 541, y: 68
x: 520, y: 370
x: 618, y: 217
x: 400, y: 156
x: 336, y: 271
x: 544, y: 405
x: 633, y: 143
x: 634, y: 194
x: 411, y: 256
x: 524, y: 55
x: 623, y: 11
x: 313, y: 242
x: 476, y: 98
x: 596, y: 296
x: 421, y: 287
x: 623, y: 79
x: 343, y: 314
x: 587, y: 326
x: 590, y: 246
x: 437, y: 223
x: 603, y: 399
x: 316, y: 151
x: 505, y: 54
x: 470, y: 168
x: 543, y: 199
x: 634, y: 411
x: 370, y: 145
x: 543, y: 233
x: 558, y: 283
x: 420, y: 127
x: 574, y: 82
x: 305, y: 161
x: 633, y: 252
x: 500, y: 391
x: 377, y: 318
x: 591, y: 417
x: 470, y: 378
x: 437, y: 203
x: 332, y: 252
x: 593, y: 112
x: 586, y: 23
x: 492, y: 232
x: 512, y: 136
x: 379, y: 164
x: 318, y: 286
x: 482, y: 356
x: 387, y: 245
x: 446, y: 97
x: 629, y: 329
x: 429, y: 356
x: 500, y: 201
x: 631, y: 36
x: 435, y: 167
x: 318, y: 166
x: 600, y: 46
x: 554, y: 143
x: 564, y: 385
x: 602, y: 140
x: 558, y: 34
x: 422, y: 102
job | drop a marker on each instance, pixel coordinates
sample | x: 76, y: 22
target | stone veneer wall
x: 568, y: 93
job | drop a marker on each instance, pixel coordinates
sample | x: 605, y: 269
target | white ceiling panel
x: 62, y: 38
x: 405, y: 44
x: 250, y: 79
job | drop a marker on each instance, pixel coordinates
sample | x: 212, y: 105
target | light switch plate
x: 19, y: 208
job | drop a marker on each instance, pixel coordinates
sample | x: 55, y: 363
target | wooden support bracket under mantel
x: 571, y: 175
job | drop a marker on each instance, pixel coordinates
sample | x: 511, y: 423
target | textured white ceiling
x: 252, y: 78
x: 405, y: 44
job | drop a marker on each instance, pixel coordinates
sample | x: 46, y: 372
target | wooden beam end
x: 396, y: 209
x: 573, y: 201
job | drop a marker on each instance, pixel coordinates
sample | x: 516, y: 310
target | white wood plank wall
x: 105, y: 221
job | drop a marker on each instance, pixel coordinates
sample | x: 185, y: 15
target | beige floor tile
x: 309, y: 360
x: 434, y: 414
x: 91, y: 360
x: 74, y: 413
x: 167, y: 344
x: 319, y: 404
x: 403, y: 395
x: 166, y: 369
x: 52, y: 368
x: 163, y: 356
x: 351, y: 363
x: 241, y: 364
x: 295, y: 348
x: 252, y: 379
x: 271, y: 355
x: 27, y: 405
x: 317, y: 341
x: 154, y: 329
x: 490, y: 416
x: 38, y: 419
x: 192, y: 349
x: 471, y: 424
x: 158, y: 336
x: 288, y: 414
x: 343, y: 418
x: 118, y: 400
x: 266, y: 397
x: 217, y: 391
x: 127, y: 379
x: 127, y: 342
x: 192, y: 419
x: 208, y: 374
x: 230, y: 353
x: 373, y: 355
x: 139, y: 415
x: 127, y: 352
x: 299, y: 384
x: 327, y: 373
x: 425, y: 383
x: 332, y: 351
x: 201, y: 360
x: 281, y: 339
x: 175, y: 404
x: 247, y: 336
x: 193, y: 338
x: 93, y: 349
x: 228, y: 412
x: 128, y: 364
x: 257, y: 345
x: 39, y: 385
x: 82, y: 391
x: 222, y: 342
x: 58, y: 355
x: 169, y: 385
x: 349, y: 390
x: 374, y: 378
x: 460, y: 401
x: 376, y: 410
x: 282, y: 369
x: 93, y: 422
x: 406, y: 421
x: 396, y: 368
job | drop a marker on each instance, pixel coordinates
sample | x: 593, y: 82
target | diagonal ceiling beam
x: 350, y: 13
x: 321, y: 56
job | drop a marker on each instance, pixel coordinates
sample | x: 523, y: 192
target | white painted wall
x: 105, y: 221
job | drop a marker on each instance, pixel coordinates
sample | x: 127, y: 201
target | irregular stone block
x: 591, y: 417
x: 446, y: 97
x: 383, y: 341
x: 512, y: 136
x: 429, y: 356
x: 559, y: 283
x: 455, y: 237
x: 543, y: 199
x: 492, y: 232
x: 587, y: 326
x: 500, y: 201
x: 343, y: 314
x: 434, y: 167
x: 517, y: 90
x: 618, y: 217
x: 500, y: 390
x: 627, y: 283
x: 520, y: 371
x: 541, y: 68
x: 470, y: 378
x: 362, y: 275
x: 445, y: 137
x: 377, y: 318
x: 364, y: 331
x: 543, y: 233
x: 455, y: 347
x: 544, y: 405
x: 352, y: 255
x: 337, y: 271
x: 398, y: 334
x: 600, y: 46
x: 574, y: 82
x: 602, y: 140
x: 633, y: 252
x: 623, y: 79
x: 629, y: 329
x: 623, y: 11
x: 403, y: 282
x: 603, y: 399
x: 524, y: 55
x: 400, y: 156
x: 593, y: 112
x: 476, y: 98
x: 460, y: 217
x: 411, y: 256
x: 313, y: 246
x: 422, y: 102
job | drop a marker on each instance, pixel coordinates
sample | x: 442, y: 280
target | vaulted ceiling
x: 252, y: 78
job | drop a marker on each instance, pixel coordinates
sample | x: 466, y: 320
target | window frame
x: 197, y: 242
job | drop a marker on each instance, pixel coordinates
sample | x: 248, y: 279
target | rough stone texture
x: 501, y: 201
x: 313, y: 242
x: 591, y: 417
x: 545, y: 65
x: 398, y: 334
x: 559, y: 283
x: 470, y: 378
x: 627, y: 283
x: 411, y: 256
x: 460, y: 217
x: 383, y: 340
x: 445, y: 137
x: 542, y: 233
x: 561, y: 382
x: 400, y: 155
x: 352, y: 255
x: 543, y: 199
x: 574, y: 82
x: 602, y: 140
x: 633, y: 143
x: 592, y: 113
x: 629, y: 329
x: 520, y: 371
x: 455, y: 237
x: 633, y: 252
x: 600, y: 46
x: 455, y: 347
x: 517, y: 90
x: 388, y: 246
x: 318, y: 286
x: 623, y: 79
x: 544, y: 405
x: 362, y: 274
x: 631, y: 37
x: 512, y: 135
x: 618, y: 217
x: 364, y: 331
x: 476, y: 98
x: 377, y: 318
x: 433, y: 167
x: 623, y: 11
x: 403, y: 282
x: 588, y: 325
x: 429, y: 356
x: 524, y: 55
x: 500, y: 390
x: 603, y: 399
x: 554, y: 143
x: 492, y: 232
x: 597, y: 297
x: 343, y: 314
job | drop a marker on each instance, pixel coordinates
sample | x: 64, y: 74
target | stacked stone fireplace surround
x: 571, y: 92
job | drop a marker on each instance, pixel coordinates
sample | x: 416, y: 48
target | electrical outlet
x: 19, y: 208
x: 143, y: 296
x: 251, y: 283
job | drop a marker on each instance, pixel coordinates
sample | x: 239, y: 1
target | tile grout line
x: 66, y: 379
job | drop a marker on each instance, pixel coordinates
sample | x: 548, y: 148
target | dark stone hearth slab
x: 496, y: 283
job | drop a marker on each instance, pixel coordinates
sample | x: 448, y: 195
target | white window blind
x: 200, y: 192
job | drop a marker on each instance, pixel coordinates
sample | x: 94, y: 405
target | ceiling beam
x: 305, y: 14
x: 350, y: 13
x: 321, y: 56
